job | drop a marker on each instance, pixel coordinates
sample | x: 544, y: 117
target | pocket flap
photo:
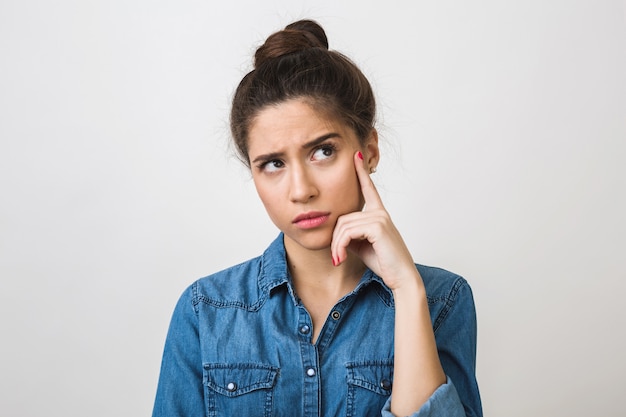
x: 237, y: 379
x: 376, y: 376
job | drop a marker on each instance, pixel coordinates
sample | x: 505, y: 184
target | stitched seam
x: 230, y: 304
x: 449, y: 302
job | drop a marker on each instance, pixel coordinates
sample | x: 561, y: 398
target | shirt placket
x: 310, y: 354
x: 310, y: 366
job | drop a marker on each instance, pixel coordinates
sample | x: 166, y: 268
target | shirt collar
x: 368, y: 278
x: 274, y: 272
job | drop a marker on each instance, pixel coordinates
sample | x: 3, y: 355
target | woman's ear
x: 372, y: 153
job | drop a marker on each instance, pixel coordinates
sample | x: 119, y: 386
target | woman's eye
x: 272, y: 166
x: 323, y: 152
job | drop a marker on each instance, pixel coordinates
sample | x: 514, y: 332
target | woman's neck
x: 318, y: 284
x: 313, y: 273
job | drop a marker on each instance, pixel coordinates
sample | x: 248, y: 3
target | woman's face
x: 302, y: 163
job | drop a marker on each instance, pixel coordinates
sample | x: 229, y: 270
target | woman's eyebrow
x: 311, y: 144
x: 319, y: 140
x: 267, y: 157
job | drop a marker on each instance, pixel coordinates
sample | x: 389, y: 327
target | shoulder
x: 440, y: 283
x: 246, y: 285
x: 235, y: 286
x: 448, y: 294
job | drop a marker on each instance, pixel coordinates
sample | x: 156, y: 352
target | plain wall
x: 504, y: 140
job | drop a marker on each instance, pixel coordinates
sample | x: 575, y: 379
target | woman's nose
x: 302, y: 186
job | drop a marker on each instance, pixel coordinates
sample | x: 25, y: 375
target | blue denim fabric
x: 239, y: 344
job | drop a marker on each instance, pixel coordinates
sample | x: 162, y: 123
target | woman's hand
x: 371, y: 235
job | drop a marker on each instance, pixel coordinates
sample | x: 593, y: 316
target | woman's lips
x: 311, y: 219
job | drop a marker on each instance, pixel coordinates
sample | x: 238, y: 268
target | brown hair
x: 296, y: 63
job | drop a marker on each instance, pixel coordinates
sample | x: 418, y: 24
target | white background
x: 504, y: 129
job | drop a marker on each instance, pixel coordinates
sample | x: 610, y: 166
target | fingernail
x: 360, y: 155
x: 334, y: 262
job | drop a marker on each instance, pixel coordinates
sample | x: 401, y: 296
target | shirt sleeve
x: 455, y: 334
x: 180, y: 390
x: 444, y: 402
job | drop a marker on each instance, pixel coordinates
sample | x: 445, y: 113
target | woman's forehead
x: 293, y: 121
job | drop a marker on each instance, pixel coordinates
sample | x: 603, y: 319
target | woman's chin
x: 310, y: 240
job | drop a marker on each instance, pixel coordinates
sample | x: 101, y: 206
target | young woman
x: 334, y: 318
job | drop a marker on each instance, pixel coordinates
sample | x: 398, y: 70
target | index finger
x: 370, y: 194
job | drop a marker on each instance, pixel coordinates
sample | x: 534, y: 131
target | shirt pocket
x: 369, y: 386
x: 233, y: 388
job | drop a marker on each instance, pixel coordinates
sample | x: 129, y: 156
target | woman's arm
x: 371, y: 235
x: 417, y: 369
x: 180, y: 389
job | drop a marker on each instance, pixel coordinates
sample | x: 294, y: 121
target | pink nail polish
x: 334, y: 262
x: 360, y: 155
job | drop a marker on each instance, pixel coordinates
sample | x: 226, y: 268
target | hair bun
x: 297, y: 36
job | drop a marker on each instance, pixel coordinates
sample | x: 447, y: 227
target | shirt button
x: 335, y: 315
x: 385, y: 384
x: 305, y: 329
x: 231, y: 386
x: 310, y: 372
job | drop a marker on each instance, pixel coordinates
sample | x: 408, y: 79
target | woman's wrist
x: 408, y: 283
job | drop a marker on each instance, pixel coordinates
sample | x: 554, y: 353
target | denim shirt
x: 239, y: 343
